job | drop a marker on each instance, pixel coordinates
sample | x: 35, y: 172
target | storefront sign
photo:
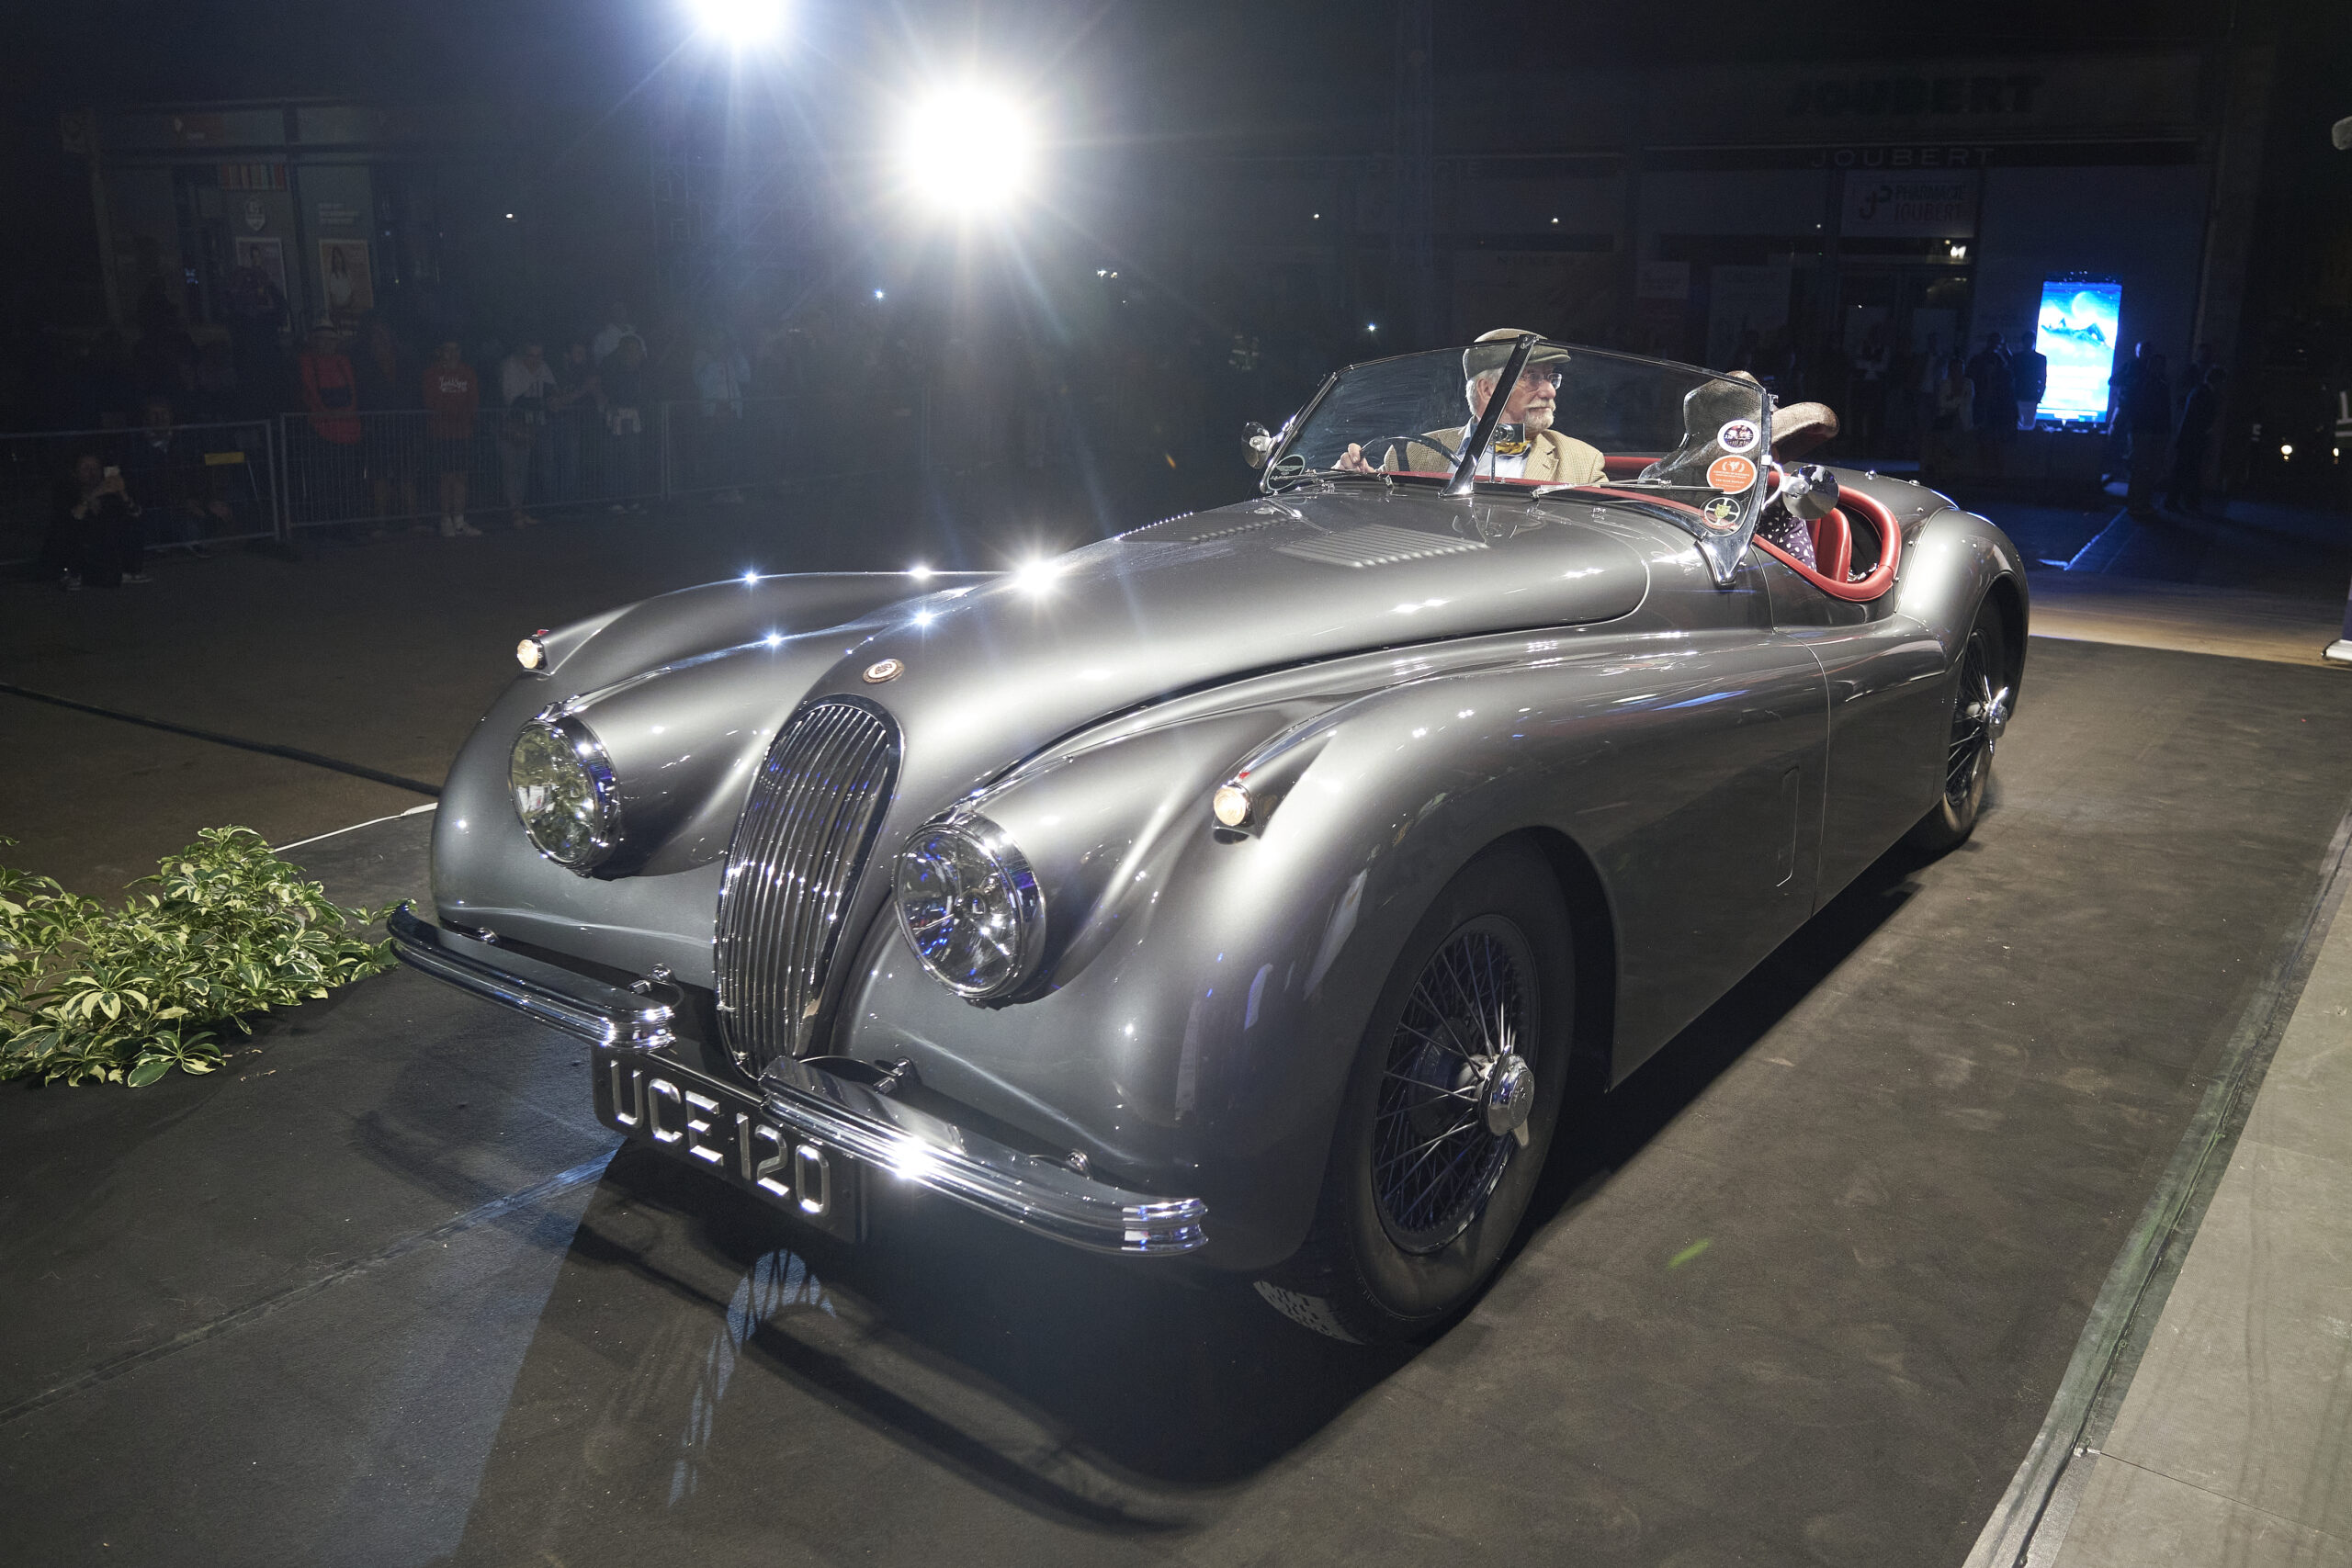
x: 2004, y: 94
x: 1907, y: 155
x: 1910, y: 206
x: 199, y: 127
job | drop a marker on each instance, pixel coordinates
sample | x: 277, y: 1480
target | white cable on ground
x: 412, y: 811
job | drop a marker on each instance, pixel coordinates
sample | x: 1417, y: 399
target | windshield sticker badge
x: 1738, y: 435
x: 1722, y: 514
x: 1731, y: 474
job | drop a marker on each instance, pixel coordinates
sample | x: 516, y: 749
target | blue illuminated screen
x: 2076, y: 334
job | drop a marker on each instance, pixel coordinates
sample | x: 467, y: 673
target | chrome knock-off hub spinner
x: 1507, y: 1096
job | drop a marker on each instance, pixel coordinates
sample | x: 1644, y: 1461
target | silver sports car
x: 1256, y: 887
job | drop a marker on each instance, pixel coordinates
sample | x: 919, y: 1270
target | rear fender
x: 1957, y: 561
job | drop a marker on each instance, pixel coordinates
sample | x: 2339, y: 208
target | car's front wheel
x: 1448, y: 1111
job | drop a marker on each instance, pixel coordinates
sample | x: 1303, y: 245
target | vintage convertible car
x: 1256, y: 887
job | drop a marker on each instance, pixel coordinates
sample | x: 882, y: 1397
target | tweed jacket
x: 1551, y: 458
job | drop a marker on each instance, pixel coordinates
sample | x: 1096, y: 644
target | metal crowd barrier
x: 232, y: 466
x: 380, y: 467
x: 370, y: 471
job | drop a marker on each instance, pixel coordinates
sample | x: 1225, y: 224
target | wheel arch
x: 1592, y: 934
x: 2004, y: 592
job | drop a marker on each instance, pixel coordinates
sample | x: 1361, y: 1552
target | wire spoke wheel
x: 1440, y: 1142
x: 1970, y: 748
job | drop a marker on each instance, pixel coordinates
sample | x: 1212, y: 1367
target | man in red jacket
x: 452, y: 396
x: 330, y: 393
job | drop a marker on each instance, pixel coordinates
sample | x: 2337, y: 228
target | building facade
x: 1713, y: 213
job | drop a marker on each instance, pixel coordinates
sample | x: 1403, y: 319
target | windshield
x: 1574, y: 419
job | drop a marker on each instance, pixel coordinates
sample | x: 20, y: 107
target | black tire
x: 1982, y: 676
x: 1397, y: 1246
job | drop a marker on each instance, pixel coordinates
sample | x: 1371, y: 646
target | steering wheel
x: 1377, y: 450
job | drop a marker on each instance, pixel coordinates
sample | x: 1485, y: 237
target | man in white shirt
x: 525, y: 441
x: 721, y: 373
x: 608, y: 338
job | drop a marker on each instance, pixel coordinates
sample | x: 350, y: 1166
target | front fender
x: 1200, y: 1014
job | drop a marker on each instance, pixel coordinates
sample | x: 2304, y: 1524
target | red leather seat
x: 1833, y: 547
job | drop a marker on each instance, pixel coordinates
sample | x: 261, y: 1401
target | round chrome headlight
x: 564, y: 791
x: 970, y: 906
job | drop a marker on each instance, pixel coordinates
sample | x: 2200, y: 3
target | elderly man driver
x: 1539, y: 453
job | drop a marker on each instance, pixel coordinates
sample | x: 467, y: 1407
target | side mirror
x: 1809, y: 492
x: 1256, y: 445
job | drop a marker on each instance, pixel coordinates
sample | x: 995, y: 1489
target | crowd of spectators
x: 386, y: 423
x: 391, y: 422
x: 1939, y: 404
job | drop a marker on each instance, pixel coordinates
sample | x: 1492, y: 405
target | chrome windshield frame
x: 1722, y: 548
x: 1463, y: 484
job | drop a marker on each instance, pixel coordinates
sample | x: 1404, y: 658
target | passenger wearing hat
x: 1536, y: 453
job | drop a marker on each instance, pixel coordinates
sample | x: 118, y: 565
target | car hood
x: 980, y: 676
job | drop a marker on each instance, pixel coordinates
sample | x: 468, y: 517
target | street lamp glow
x: 744, y: 23
x: 968, y: 148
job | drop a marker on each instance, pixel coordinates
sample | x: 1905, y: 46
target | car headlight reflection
x: 564, y: 791
x: 970, y: 906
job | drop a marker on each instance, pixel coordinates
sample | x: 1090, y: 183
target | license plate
x: 720, y: 1128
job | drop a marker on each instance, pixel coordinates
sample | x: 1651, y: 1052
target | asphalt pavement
x: 1800, y: 1292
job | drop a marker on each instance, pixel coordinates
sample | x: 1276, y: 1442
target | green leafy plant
x: 89, y: 994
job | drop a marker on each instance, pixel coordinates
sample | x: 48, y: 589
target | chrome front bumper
x: 892, y: 1139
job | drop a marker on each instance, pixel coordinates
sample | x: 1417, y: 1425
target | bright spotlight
x: 1037, y: 576
x: 968, y: 148
x: 919, y: 572
x: 744, y: 23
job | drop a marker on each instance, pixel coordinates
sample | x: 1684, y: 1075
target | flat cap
x: 1492, y: 350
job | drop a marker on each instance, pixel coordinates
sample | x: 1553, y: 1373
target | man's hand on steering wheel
x: 1352, y: 461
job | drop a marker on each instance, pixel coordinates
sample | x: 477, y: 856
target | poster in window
x: 350, y: 285
x: 265, y: 256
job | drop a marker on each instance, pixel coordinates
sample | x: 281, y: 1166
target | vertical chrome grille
x: 803, y: 838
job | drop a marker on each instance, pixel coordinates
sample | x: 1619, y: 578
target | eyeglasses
x: 1552, y: 374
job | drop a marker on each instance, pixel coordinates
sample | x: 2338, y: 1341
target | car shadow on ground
x: 1599, y: 1133
x: 694, y: 1340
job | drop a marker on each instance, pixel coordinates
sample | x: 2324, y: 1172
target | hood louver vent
x: 1378, y: 545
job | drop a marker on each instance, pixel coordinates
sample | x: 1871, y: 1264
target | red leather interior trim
x: 1833, y: 547
x: 1862, y: 509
